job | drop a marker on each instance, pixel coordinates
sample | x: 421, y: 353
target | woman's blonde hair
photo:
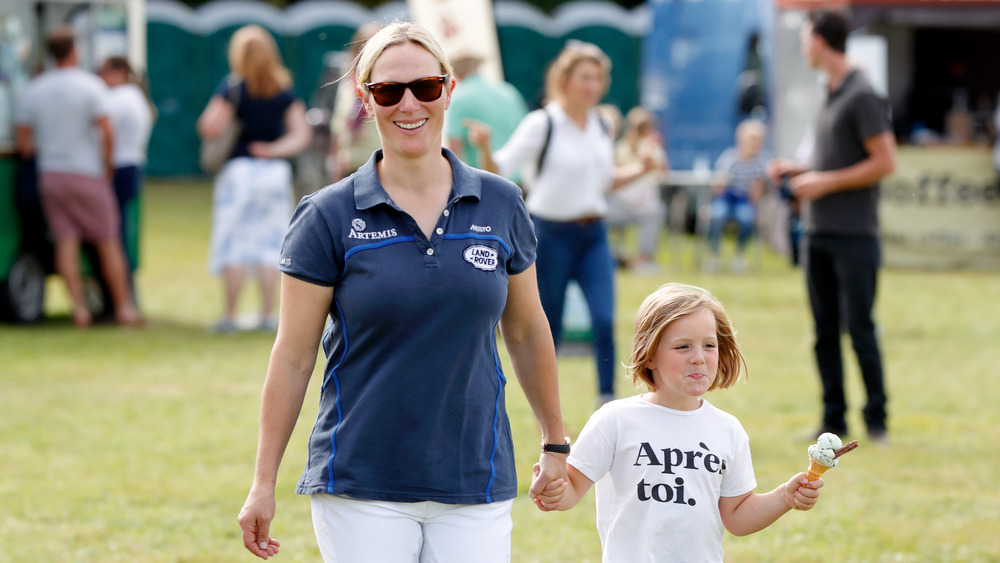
x: 563, y: 66
x: 667, y: 304
x: 254, y: 57
x: 397, y: 33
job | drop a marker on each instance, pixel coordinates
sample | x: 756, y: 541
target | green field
x: 138, y: 445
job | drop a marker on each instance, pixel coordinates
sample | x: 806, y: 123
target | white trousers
x: 366, y: 531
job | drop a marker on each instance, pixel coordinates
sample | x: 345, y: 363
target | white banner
x: 464, y: 28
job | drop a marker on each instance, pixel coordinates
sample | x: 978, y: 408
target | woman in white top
x: 566, y: 154
x: 132, y: 120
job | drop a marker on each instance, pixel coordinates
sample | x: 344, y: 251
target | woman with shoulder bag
x: 568, y: 157
x: 252, y: 200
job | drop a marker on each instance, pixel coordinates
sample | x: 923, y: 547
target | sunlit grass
x: 137, y: 445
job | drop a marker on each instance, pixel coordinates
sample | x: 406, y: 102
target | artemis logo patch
x: 482, y: 257
x: 285, y: 262
x: 358, y: 225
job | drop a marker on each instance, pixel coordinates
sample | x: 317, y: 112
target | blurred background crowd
x: 695, y: 86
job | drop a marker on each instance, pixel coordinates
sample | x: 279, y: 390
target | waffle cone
x: 815, y: 469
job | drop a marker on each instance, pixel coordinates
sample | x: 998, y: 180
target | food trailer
x: 104, y: 28
x: 935, y: 60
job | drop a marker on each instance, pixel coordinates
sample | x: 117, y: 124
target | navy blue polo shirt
x: 412, y: 402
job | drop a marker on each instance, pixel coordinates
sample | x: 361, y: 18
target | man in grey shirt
x: 855, y: 148
x: 62, y: 120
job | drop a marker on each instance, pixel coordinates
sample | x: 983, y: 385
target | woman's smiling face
x: 409, y: 127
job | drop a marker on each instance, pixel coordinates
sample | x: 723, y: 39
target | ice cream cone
x: 815, y: 469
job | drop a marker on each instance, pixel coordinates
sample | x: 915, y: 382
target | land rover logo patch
x: 482, y: 257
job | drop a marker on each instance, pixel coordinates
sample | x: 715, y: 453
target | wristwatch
x: 557, y: 448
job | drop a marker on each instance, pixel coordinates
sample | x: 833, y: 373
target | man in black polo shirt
x: 854, y: 149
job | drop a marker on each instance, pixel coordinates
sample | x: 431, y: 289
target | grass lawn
x: 138, y: 445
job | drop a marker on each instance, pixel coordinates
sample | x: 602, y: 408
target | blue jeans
x: 841, y: 274
x: 731, y: 207
x: 578, y: 251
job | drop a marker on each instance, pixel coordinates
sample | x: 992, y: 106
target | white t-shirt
x: 659, y: 474
x: 578, y: 170
x: 132, y: 120
x: 60, y: 105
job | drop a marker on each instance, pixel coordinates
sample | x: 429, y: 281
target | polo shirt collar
x: 848, y: 78
x: 368, y: 190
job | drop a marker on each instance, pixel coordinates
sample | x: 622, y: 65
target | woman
x: 417, y: 259
x: 132, y: 119
x: 252, y: 197
x: 570, y: 153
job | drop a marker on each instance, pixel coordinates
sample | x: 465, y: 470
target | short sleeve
x: 594, y: 450
x: 24, y: 111
x: 725, y: 160
x: 102, y: 100
x: 308, y: 251
x: 222, y: 89
x: 523, y: 241
x: 872, y: 115
x: 739, y: 478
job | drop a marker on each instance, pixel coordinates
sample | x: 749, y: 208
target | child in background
x: 671, y: 469
x: 745, y: 166
x: 638, y: 202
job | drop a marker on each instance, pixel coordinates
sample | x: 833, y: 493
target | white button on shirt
x: 578, y: 170
x: 430, y: 251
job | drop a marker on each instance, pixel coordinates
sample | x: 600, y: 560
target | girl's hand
x: 801, y: 493
x: 548, y: 498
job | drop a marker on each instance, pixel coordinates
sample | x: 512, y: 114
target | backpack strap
x: 548, y: 138
x: 545, y: 145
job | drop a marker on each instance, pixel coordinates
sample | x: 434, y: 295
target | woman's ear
x: 451, y: 89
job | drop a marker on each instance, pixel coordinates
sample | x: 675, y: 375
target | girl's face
x: 584, y: 86
x: 686, y: 361
x: 409, y: 127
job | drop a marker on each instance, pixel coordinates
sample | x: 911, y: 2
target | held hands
x: 800, y: 493
x: 548, y: 482
x: 255, y: 521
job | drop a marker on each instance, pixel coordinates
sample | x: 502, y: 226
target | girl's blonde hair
x: 639, y: 122
x: 254, y: 57
x: 562, y: 67
x: 667, y: 304
x: 397, y: 33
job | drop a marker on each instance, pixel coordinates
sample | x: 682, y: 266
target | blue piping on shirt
x: 340, y: 411
x: 378, y: 244
x: 496, y: 417
x: 478, y: 237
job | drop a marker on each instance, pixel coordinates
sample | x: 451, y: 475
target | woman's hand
x: 255, y: 521
x: 479, y: 134
x: 548, y: 482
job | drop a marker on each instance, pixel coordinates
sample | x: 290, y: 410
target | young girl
x: 671, y: 469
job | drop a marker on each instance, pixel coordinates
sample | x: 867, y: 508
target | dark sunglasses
x: 389, y: 93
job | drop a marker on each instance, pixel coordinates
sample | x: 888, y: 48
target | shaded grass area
x: 138, y: 445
